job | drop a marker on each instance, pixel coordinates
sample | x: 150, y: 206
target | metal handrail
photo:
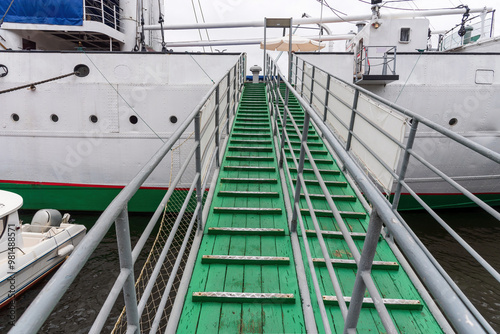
x: 102, y: 12
x: 456, y: 309
x: 39, y: 310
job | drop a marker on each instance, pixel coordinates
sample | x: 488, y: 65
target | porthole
x: 133, y: 119
x: 173, y: 119
x: 54, y: 118
x: 93, y: 118
x: 15, y: 117
x: 81, y: 70
x: 453, y: 121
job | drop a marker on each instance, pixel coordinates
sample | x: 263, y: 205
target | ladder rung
x: 250, y: 148
x: 248, y: 194
x: 336, y: 234
x: 308, y: 143
x: 317, y: 161
x: 250, y: 168
x: 246, y: 231
x: 328, y: 183
x: 397, y: 304
x: 334, y: 197
x: 247, y: 128
x: 321, y: 171
x: 246, y: 180
x: 243, y: 134
x: 257, y: 211
x: 342, y: 263
x: 328, y: 213
x: 248, y: 157
x: 243, y: 141
x: 313, y: 152
x: 238, y: 259
x: 243, y: 297
x: 252, y: 123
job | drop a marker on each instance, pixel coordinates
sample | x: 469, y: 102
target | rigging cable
x: 5, y: 14
x: 160, y: 21
x: 121, y: 96
x: 196, y: 17
x: 206, y: 30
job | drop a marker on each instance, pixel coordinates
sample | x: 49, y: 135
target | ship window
x: 173, y: 119
x: 28, y: 45
x: 453, y: 121
x: 404, y: 36
x: 133, y: 119
x: 15, y: 117
x: 54, y: 118
x: 93, y: 118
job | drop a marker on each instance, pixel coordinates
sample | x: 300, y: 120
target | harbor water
x: 80, y: 305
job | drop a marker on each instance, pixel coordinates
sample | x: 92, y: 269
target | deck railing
x: 105, y: 11
x: 211, y: 121
x: 325, y: 100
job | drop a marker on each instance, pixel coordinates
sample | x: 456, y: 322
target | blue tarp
x: 57, y: 12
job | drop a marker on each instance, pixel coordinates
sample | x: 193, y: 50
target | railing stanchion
x: 327, y: 96
x: 217, y: 123
x: 199, y: 191
x: 283, y: 126
x: 353, y: 117
x: 126, y: 263
x: 102, y: 10
x: 364, y: 270
x: 300, y: 171
x: 312, y: 85
x: 404, y: 164
x: 228, y: 101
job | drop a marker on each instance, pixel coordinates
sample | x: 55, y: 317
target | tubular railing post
x: 353, y: 117
x: 199, y: 193
x: 228, y: 101
x: 394, y: 68
x: 126, y: 263
x: 384, y: 67
x: 300, y: 170
x: 102, y: 10
x: 302, y: 81
x: 114, y: 17
x: 327, y: 96
x: 312, y: 85
x: 364, y: 269
x: 296, y: 70
x: 404, y: 164
x: 217, y: 107
x: 283, y: 126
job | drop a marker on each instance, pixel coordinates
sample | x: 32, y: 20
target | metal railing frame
x: 39, y: 310
x: 367, y: 280
x: 455, y: 306
x: 105, y: 14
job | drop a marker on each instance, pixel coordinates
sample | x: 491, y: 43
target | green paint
x: 245, y: 199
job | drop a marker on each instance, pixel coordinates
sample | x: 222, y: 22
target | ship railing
x: 355, y: 138
x: 477, y: 27
x: 105, y: 11
x: 376, y: 60
x: 209, y: 123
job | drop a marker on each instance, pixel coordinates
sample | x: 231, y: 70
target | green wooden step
x: 243, y: 297
x: 392, y: 304
x: 245, y: 260
x: 246, y: 231
x: 342, y: 263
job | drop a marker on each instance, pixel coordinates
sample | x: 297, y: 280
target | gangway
x: 291, y: 236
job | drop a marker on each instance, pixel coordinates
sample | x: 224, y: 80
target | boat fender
x: 66, y: 250
x: 47, y: 217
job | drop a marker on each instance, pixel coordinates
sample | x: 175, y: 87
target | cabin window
x: 404, y: 36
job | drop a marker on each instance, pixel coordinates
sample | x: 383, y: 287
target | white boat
x: 88, y: 134
x: 28, y: 252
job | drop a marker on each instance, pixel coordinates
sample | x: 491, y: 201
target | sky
x: 182, y: 12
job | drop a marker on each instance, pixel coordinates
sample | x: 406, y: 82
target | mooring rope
x: 34, y: 84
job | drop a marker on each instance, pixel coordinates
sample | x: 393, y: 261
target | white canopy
x: 298, y: 44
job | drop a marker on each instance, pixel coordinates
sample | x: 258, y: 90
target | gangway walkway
x: 244, y: 279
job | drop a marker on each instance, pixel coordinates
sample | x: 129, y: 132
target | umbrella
x: 298, y: 44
